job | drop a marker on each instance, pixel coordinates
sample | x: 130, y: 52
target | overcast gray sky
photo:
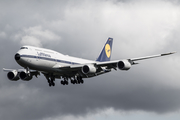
x: 149, y: 90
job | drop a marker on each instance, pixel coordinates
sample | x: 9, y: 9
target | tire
x: 53, y: 84
x: 66, y: 82
x: 62, y: 82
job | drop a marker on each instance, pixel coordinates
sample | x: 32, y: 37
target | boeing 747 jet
x: 54, y: 65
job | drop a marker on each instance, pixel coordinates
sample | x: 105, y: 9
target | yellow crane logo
x: 108, y: 50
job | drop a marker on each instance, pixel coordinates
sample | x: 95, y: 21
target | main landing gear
x: 75, y: 80
x: 65, y: 81
x: 51, y: 81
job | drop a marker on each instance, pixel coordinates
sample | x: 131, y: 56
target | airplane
x: 52, y: 65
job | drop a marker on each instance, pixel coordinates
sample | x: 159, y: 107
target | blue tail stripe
x: 106, y: 52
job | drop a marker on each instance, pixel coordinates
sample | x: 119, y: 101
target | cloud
x: 30, y: 40
x: 44, y: 34
x: 2, y: 35
x: 36, y: 36
x: 111, y: 114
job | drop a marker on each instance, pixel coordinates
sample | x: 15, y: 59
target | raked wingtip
x: 168, y: 53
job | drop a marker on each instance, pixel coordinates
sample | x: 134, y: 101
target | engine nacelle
x: 13, y: 75
x: 124, y: 65
x: 25, y: 76
x: 88, y: 69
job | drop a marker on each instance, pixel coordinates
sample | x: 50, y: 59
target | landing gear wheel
x: 53, y: 84
x: 66, y: 82
x: 62, y: 82
x: 72, y: 81
x: 75, y: 82
x: 82, y: 81
x: 50, y: 80
x: 79, y: 81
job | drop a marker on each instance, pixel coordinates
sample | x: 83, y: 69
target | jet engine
x: 88, y: 69
x: 124, y: 65
x: 25, y: 76
x: 13, y: 75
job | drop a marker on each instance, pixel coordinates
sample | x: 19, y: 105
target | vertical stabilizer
x: 106, y: 52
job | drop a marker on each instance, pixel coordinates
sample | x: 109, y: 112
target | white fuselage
x: 46, y: 60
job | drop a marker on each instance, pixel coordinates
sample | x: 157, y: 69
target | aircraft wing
x: 113, y: 64
x: 8, y: 70
x: 108, y: 65
x: 153, y: 56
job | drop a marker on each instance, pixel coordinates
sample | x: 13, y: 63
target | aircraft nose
x: 17, y: 56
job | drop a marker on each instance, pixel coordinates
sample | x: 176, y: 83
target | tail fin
x: 106, y: 52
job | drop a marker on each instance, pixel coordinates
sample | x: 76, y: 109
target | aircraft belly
x: 37, y: 64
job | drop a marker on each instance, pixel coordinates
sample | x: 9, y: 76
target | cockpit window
x: 24, y: 48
